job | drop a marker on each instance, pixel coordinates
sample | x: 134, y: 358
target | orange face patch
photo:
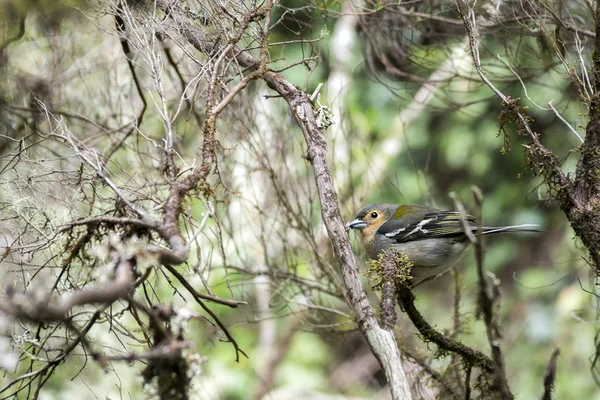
x: 374, y: 219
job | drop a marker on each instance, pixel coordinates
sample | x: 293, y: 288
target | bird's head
x: 369, y: 218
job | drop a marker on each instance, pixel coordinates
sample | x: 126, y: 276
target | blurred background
x: 412, y: 122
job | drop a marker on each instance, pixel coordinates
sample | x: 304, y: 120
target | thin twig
x: 18, y: 36
x: 198, y: 295
x: 550, y: 375
x: 486, y: 304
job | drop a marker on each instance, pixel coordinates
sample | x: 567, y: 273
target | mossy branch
x: 469, y: 355
x: 391, y: 269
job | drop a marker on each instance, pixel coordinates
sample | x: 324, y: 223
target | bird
x: 433, y: 240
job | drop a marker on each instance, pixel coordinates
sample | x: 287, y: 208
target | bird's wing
x: 434, y: 224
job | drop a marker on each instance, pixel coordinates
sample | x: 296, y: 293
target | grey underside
x: 430, y: 257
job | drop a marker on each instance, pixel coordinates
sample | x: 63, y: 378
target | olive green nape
x: 407, y: 209
x: 401, y: 211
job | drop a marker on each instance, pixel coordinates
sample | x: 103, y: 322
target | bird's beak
x: 356, y: 224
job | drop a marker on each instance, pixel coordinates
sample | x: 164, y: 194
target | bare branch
x: 550, y: 376
x: 23, y: 306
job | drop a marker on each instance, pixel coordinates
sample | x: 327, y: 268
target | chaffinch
x: 432, y: 239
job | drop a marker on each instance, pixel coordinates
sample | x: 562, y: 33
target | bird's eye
x: 374, y: 214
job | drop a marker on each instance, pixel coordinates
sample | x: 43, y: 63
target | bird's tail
x: 511, y: 228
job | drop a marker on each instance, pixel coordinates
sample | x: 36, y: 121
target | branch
x: 550, y: 376
x: 449, y: 389
x: 198, y: 295
x: 24, y: 306
x: 388, y: 305
x: 91, y: 158
x: 108, y: 220
x: 552, y: 172
x: 486, y: 301
x: 18, y: 36
x: 578, y: 199
x: 122, y: 32
x: 382, y: 342
x: 54, y: 362
x: 170, y: 351
x: 471, y: 356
